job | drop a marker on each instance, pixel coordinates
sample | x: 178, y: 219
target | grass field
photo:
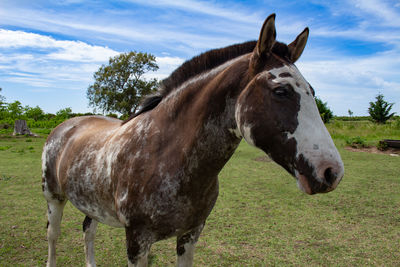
x: 260, y: 219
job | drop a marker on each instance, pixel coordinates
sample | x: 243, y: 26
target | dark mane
x: 199, y: 64
x: 203, y: 62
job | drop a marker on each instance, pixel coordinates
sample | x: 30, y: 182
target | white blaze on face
x: 313, y: 139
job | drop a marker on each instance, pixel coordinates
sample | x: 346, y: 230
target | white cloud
x: 57, y: 63
x: 231, y: 12
x: 64, y: 50
x: 379, y: 9
x: 351, y: 83
x: 79, y: 51
x: 48, y: 63
x: 166, y: 66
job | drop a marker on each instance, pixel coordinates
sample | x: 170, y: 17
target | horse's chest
x: 172, y: 206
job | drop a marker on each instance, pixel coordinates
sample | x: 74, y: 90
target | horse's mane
x: 204, y: 62
x: 197, y: 65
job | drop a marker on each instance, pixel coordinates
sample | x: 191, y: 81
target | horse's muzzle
x: 326, y: 180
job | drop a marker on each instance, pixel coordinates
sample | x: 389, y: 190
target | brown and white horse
x: 156, y: 174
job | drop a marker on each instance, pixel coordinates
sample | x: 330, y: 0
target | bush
x: 356, y: 142
x: 382, y: 145
x: 5, y: 126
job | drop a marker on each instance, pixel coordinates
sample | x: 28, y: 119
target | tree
x: 35, y: 113
x: 324, y: 111
x: 350, y: 113
x: 15, y: 109
x: 65, y: 113
x: 120, y: 86
x: 379, y: 110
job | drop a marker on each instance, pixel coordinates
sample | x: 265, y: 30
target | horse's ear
x: 297, y: 46
x: 267, y: 36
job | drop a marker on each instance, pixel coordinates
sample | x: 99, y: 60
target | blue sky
x: 49, y: 50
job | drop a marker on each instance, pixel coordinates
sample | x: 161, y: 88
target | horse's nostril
x: 330, y: 176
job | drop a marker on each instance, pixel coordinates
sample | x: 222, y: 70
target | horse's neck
x: 201, y: 117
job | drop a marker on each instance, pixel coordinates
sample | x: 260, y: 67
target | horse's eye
x: 281, y: 92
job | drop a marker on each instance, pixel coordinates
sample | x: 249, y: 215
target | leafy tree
x: 35, y: 113
x: 15, y: 109
x: 65, y: 113
x: 379, y: 110
x: 324, y: 111
x: 350, y: 113
x: 120, y: 86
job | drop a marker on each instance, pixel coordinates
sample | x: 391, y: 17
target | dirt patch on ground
x: 395, y: 152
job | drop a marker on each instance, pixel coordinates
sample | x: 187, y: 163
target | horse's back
x: 59, y: 143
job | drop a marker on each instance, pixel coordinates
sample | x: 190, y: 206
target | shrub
x: 382, y: 145
x: 5, y: 126
x: 2, y: 148
x: 356, y: 142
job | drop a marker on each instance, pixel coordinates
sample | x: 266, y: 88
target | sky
x: 49, y: 50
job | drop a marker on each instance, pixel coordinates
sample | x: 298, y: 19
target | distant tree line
x: 35, y: 116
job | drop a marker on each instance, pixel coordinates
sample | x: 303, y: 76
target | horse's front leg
x: 185, y: 246
x: 138, y: 243
x: 89, y: 233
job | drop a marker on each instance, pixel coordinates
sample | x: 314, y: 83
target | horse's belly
x: 95, y: 210
x: 91, y: 196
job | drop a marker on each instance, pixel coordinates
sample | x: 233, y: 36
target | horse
x: 156, y: 173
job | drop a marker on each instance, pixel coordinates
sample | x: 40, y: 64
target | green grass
x: 260, y: 219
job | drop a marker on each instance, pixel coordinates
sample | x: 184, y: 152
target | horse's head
x: 277, y: 113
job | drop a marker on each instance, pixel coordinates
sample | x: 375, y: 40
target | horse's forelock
x: 281, y: 50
